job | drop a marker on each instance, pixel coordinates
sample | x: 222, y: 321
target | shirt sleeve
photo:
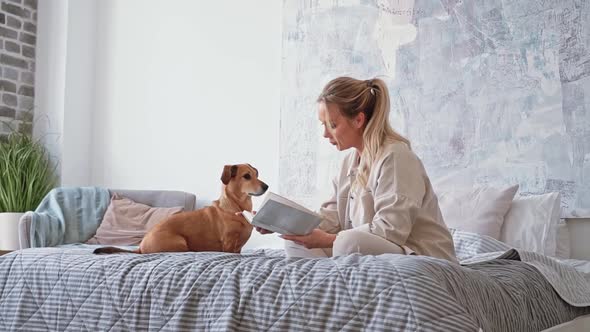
x: 398, y: 196
x: 329, y: 212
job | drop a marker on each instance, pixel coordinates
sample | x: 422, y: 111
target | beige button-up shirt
x: 398, y: 204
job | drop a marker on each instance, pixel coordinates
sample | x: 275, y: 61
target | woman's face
x: 341, y: 131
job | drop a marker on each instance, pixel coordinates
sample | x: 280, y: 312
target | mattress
x: 494, y: 289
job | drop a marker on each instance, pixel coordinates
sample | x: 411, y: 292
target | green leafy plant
x: 26, y: 173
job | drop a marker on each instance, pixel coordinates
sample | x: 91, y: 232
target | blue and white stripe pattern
x: 59, y: 289
x: 570, y: 278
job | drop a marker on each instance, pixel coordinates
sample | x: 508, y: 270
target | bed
x: 495, y: 288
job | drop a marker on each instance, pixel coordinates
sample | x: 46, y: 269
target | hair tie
x: 370, y: 86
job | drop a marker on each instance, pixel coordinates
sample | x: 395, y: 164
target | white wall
x: 65, y: 79
x: 163, y: 94
x: 79, y: 97
x: 50, y: 75
x: 184, y: 87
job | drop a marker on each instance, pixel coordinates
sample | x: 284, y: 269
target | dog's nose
x: 263, y: 188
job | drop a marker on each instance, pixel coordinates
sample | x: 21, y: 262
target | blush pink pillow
x: 126, y: 222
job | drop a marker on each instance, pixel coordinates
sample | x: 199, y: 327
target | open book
x: 283, y: 216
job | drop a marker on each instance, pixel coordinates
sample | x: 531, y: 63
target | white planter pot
x: 9, y: 230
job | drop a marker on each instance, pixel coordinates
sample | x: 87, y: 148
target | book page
x: 280, y: 199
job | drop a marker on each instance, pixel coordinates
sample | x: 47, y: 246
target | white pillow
x: 477, y: 210
x: 564, y: 246
x: 531, y: 223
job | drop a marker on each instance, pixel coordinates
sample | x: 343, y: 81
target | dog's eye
x: 247, y: 176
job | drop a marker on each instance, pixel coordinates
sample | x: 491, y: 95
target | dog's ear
x: 229, y: 171
x: 226, y: 174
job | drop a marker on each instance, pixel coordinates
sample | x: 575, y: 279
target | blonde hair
x: 371, y: 97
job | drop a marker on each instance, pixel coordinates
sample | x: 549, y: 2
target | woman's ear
x: 359, y: 120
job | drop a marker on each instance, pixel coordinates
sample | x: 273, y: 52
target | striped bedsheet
x: 64, y: 289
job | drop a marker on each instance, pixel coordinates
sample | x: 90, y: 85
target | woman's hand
x: 258, y: 229
x: 316, y: 239
x: 237, y: 217
x: 263, y: 231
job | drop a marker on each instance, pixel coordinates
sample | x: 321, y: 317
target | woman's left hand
x: 316, y: 239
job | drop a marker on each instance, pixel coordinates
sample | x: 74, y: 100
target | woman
x: 383, y: 201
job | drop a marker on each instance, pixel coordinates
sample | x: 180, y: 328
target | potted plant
x: 26, y: 176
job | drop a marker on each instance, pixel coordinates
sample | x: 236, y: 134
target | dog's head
x: 243, y: 178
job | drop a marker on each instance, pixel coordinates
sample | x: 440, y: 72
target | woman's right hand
x: 258, y: 229
x: 263, y: 231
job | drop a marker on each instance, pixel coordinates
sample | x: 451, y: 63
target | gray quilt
x: 65, y: 289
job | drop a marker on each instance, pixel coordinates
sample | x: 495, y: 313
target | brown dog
x: 213, y: 228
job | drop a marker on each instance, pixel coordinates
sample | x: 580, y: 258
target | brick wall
x: 18, y: 37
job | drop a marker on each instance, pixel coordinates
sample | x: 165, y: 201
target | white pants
x: 346, y: 243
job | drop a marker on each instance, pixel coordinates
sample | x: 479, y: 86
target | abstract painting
x: 491, y: 92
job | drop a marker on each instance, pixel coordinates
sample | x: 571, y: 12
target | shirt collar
x: 354, y: 165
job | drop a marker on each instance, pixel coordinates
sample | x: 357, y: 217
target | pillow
x: 478, y: 210
x: 126, y: 222
x: 564, y: 246
x: 531, y: 223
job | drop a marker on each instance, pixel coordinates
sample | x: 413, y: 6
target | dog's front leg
x: 232, y: 243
